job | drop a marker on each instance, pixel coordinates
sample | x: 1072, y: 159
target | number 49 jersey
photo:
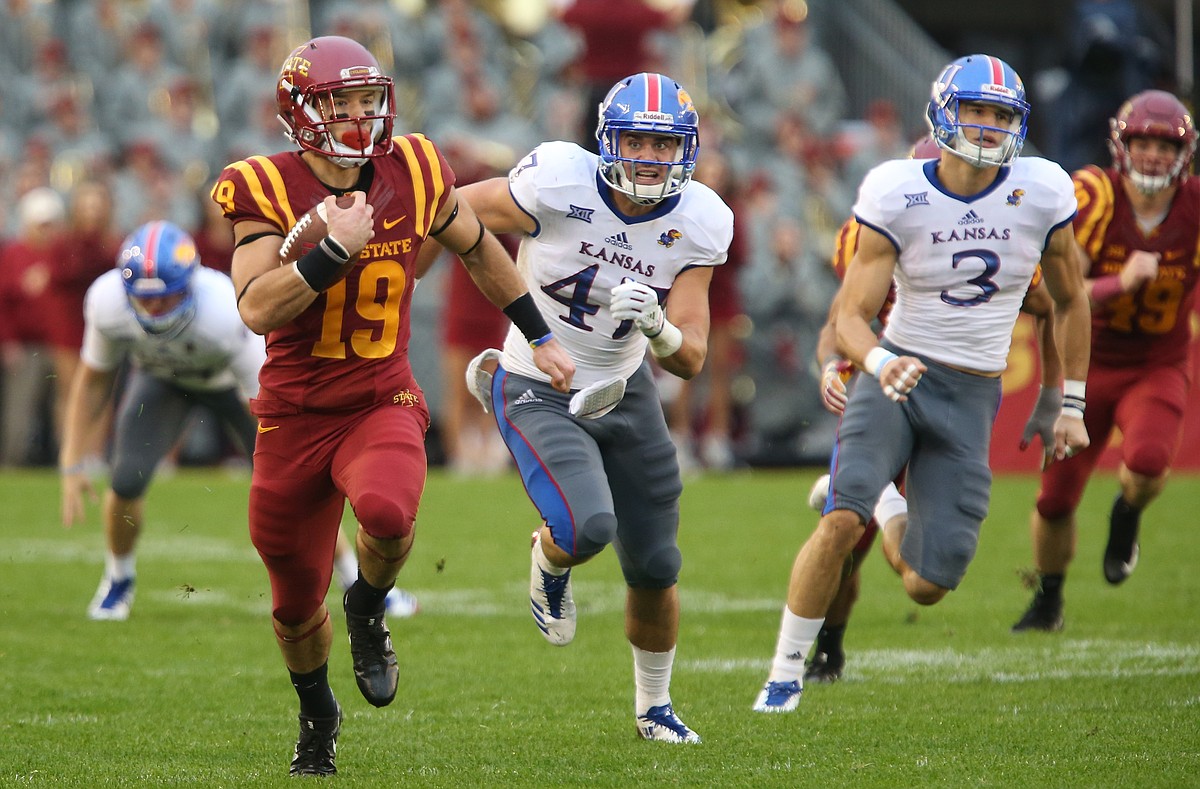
x: 964, y: 263
x: 1150, y: 325
x: 583, y: 246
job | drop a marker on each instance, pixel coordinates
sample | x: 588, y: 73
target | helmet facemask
x: 368, y: 137
x: 615, y: 169
x: 168, y: 323
x: 967, y: 139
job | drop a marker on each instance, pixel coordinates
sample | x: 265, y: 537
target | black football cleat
x: 1042, y: 614
x: 375, y: 668
x: 824, y: 667
x: 1121, y: 553
x: 316, y: 748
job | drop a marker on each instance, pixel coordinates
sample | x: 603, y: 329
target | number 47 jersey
x: 583, y: 246
x: 963, y: 263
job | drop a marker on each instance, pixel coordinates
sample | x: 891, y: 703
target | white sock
x: 652, y: 678
x: 544, y: 563
x: 891, y: 504
x: 346, y: 567
x: 796, y: 637
x: 118, y: 568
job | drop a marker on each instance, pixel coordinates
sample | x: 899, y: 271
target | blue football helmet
x: 156, y: 261
x: 652, y: 104
x: 984, y: 79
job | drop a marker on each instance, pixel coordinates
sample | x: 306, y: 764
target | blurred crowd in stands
x: 120, y: 111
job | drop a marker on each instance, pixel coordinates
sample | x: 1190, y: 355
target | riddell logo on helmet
x: 1003, y: 90
x: 653, y: 117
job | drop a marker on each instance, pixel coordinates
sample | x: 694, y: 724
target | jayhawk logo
x: 669, y: 238
x: 1015, y: 197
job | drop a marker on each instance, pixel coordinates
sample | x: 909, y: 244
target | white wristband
x: 668, y: 340
x: 1074, y: 401
x: 876, y: 359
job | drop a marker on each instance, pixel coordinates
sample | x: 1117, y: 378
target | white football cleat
x: 550, y: 601
x: 112, y: 601
x: 401, y: 604
x: 662, y: 724
x: 819, y: 493
x: 779, y: 697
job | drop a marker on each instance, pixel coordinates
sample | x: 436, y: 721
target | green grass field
x: 191, y: 690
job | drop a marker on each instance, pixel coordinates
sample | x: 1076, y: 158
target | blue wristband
x: 540, y: 341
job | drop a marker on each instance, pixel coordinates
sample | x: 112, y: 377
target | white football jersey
x: 583, y: 246
x: 964, y: 263
x: 214, y: 350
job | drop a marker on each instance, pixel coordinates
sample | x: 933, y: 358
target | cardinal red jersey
x: 1148, y: 326
x: 843, y: 253
x: 349, y: 348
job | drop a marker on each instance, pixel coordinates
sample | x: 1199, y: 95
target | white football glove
x: 834, y: 375
x: 634, y: 301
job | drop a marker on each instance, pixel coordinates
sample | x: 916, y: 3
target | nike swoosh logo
x: 388, y: 224
x: 265, y: 429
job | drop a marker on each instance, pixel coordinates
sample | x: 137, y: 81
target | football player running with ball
x: 606, y: 240
x: 340, y: 414
x: 962, y: 236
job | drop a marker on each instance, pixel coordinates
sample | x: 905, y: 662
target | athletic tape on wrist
x: 668, y: 340
x: 1074, y: 400
x: 876, y: 359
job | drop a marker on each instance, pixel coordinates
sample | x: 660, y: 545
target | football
x: 308, y: 232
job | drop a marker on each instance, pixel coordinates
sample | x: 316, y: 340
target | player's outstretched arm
x: 868, y: 278
x: 464, y: 233
x: 1049, y: 402
x: 84, y: 423
x: 1064, y: 279
x: 835, y: 371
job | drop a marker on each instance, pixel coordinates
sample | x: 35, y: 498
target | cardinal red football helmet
x: 1159, y: 115
x: 308, y: 80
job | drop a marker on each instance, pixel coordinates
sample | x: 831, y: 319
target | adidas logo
x: 527, y: 397
x: 619, y: 240
x: 971, y: 218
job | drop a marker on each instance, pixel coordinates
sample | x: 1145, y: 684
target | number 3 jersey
x: 1150, y: 325
x: 964, y: 263
x: 349, y: 348
x: 583, y: 246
